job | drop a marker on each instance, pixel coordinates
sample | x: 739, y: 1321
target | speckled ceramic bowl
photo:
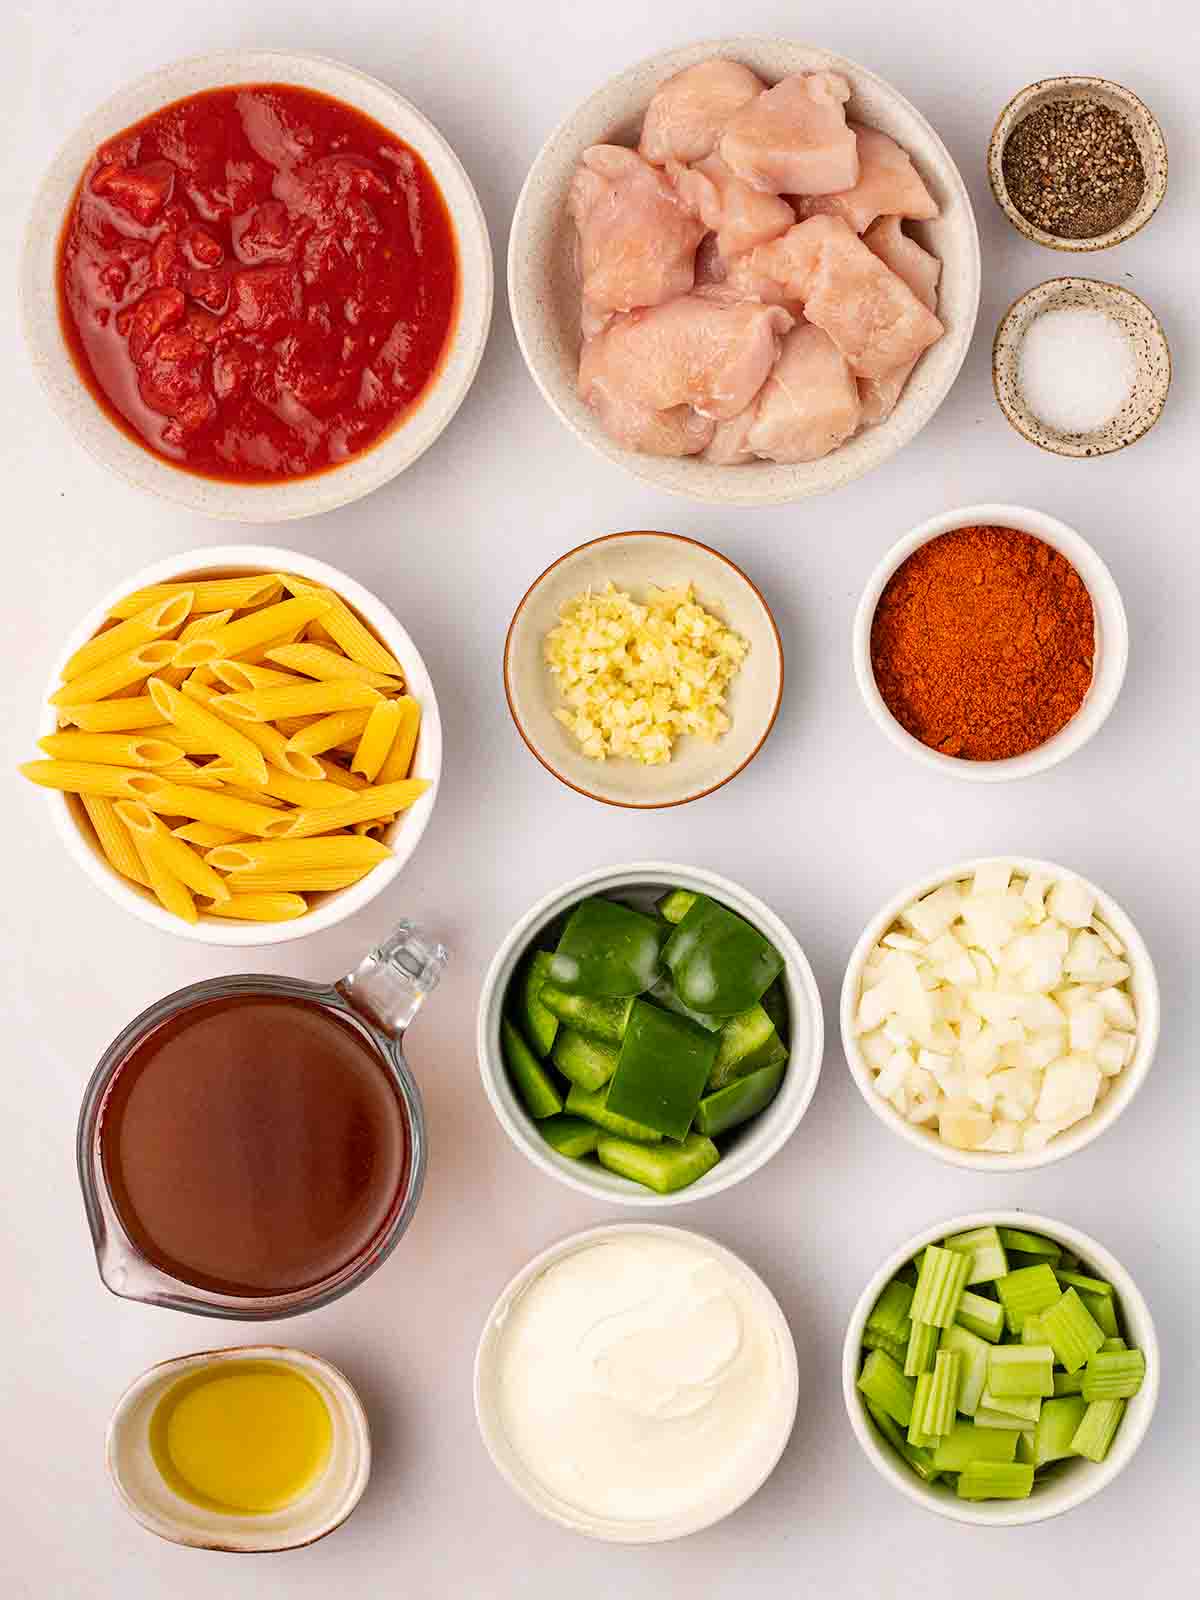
x: 1152, y: 356
x: 544, y: 287
x: 1152, y: 148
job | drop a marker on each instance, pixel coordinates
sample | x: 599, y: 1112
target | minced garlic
x: 634, y: 677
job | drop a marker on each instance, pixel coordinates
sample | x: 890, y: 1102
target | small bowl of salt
x: 1081, y: 367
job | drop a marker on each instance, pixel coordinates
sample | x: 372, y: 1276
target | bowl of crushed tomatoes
x: 258, y: 284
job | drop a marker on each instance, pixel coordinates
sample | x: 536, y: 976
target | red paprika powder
x: 982, y: 643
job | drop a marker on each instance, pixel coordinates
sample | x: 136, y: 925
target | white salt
x: 1077, y: 369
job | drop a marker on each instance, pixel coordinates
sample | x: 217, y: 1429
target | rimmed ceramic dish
x: 544, y: 289
x: 1147, y: 135
x: 634, y: 562
x: 1109, y: 662
x: 1072, y: 1482
x: 140, y: 466
x: 1143, y: 985
x: 1151, y: 354
x: 319, y: 1511
x: 402, y: 836
x: 745, y: 1149
x: 756, y: 1470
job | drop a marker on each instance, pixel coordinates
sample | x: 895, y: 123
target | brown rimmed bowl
x: 634, y: 562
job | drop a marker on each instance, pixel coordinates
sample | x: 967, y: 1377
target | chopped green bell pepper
x: 570, y: 1136
x: 537, y: 1024
x: 739, y: 1101
x: 603, y: 1020
x: 592, y: 1105
x: 664, y: 1168
x: 664, y: 1064
x: 719, y: 963
x: 675, y: 905
x: 663, y: 994
x: 742, y: 1046
x: 774, y: 1003
x: 606, y: 950
x: 584, y: 1061
x: 535, y: 1085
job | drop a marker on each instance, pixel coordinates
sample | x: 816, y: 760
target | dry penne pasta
x: 339, y: 775
x: 315, y: 661
x: 278, y: 855
x: 187, y: 713
x: 400, y: 757
x: 277, y: 907
x: 267, y: 738
x: 331, y: 732
x: 198, y: 626
x: 173, y: 894
x: 211, y: 594
x: 153, y: 838
x: 317, y: 793
x: 155, y: 622
x: 115, y: 716
x: 377, y: 739
x: 207, y: 834
x: 345, y: 629
x: 83, y: 777
x: 299, y: 700
x: 295, y: 880
x: 132, y: 666
x: 111, y: 749
x: 242, y: 676
x: 201, y: 805
x: 115, y: 839
x: 365, y: 806
x: 249, y: 632
x: 192, y: 772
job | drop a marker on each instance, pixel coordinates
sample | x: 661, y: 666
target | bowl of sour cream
x: 636, y: 1383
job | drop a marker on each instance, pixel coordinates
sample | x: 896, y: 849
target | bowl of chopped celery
x: 649, y: 1034
x: 1000, y: 1368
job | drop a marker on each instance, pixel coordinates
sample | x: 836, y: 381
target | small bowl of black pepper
x: 1077, y: 163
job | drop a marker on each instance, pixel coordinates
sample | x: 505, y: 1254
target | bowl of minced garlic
x: 643, y: 669
x: 990, y: 643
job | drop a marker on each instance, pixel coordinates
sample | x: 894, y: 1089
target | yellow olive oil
x: 241, y: 1437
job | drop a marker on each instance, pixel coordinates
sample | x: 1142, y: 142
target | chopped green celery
x: 988, y: 1260
x: 570, y: 1136
x: 537, y: 1023
x: 675, y: 905
x: 908, y: 1273
x: 593, y: 1106
x: 1072, y: 1330
x: 1095, y: 1433
x: 1031, y: 1332
x: 663, y: 993
x: 1113, y: 1375
x: 1103, y: 1308
x: 534, y: 1084
x: 966, y: 1443
x: 664, y: 1064
x: 607, y: 950
x: 1069, y: 1261
x: 1026, y: 1445
x: 586, y: 1062
x: 896, y: 1348
x: 1025, y: 1291
x: 774, y: 1003
x: 940, y: 1285
x: 1027, y: 1408
x: 663, y: 1168
x: 1056, y: 1428
x: 943, y: 1394
x: 605, y: 1020
x: 973, y: 1378
x: 720, y: 963
x: 1079, y: 1280
x: 889, y: 1314
x: 919, y: 1460
x: 918, y: 1434
x: 1114, y: 1344
x: 995, y: 1480
x: 739, y: 1101
x: 1020, y: 1371
x: 742, y: 1046
x: 882, y: 1381
x: 980, y: 1316
x: 986, y: 1417
x: 922, y: 1347
x: 1068, y: 1383
x: 1030, y: 1244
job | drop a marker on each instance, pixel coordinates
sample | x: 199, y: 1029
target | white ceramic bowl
x: 634, y: 562
x: 402, y: 836
x: 137, y: 464
x: 745, y: 1149
x: 150, y: 1500
x: 543, y: 286
x: 1075, y: 1480
x: 1143, y: 985
x: 1109, y: 662
x: 758, y: 1467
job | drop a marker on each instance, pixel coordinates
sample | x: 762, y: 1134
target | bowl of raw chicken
x: 747, y: 271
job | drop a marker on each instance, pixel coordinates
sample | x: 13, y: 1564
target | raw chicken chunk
x: 920, y: 271
x: 676, y: 431
x: 637, y: 239
x: 694, y: 351
x: 866, y: 309
x: 888, y: 185
x: 741, y: 217
x: 684, y: 120
x: 793, y: 139
x: 809, y: 404
x: 729, y: 445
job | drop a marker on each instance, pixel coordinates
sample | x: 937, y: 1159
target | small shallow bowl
x: 1143, y: 985
x: 543, y: 285
x: 1074, y: 1481
x: 746, y: 1148
x: 520, y: 1479
x: 634, y: 562
x: 402, y: 836
x: 1147, y: 134
x: 145, y: 469
x: 1152, y: 365
x: 321, y: 1510
x: 1108, y: 665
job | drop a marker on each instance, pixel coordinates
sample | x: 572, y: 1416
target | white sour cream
x: 642, y: 1378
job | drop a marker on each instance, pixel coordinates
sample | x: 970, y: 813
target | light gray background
x: 826, y: 824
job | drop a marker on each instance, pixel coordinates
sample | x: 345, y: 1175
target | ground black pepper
x: 1072, y: 168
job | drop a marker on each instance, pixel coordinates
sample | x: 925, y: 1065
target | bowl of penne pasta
x: 241, y: 745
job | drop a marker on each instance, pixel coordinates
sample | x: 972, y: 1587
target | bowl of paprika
x: 990, y: 643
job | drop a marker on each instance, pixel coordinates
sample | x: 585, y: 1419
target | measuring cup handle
x: 391, y: 981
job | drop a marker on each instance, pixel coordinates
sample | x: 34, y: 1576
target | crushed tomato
x: 257, y: 282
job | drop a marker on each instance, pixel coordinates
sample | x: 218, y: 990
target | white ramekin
x: 1112, y: 642
x: 402, y: 836
x: 754, y: 1143
x: 1073, y: 1482
x: 1143, y: 984
x: 142, y: 467
x: 756, y: 1471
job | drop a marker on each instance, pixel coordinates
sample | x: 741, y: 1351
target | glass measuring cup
x: 254, y: 1146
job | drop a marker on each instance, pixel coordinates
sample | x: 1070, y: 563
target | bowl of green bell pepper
x: 649, y: 1034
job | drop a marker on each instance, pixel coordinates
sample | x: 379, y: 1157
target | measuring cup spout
x: 391, y: 981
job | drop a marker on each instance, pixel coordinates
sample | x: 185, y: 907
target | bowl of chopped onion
x: 1000, y: 1014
